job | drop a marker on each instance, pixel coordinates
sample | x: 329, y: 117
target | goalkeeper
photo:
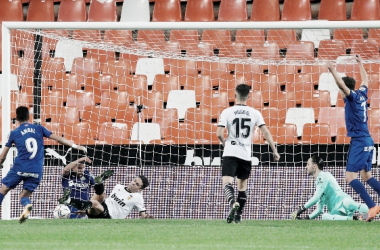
x: 328, y: 192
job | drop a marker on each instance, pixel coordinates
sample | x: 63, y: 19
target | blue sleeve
x: 92, y: 181
x: 46, y: 133
x: 364, y: 90
x: 10, y: 140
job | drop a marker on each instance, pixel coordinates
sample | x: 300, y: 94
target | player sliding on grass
x: 116, y: 206
x: 360, y: 154
x: 27, y: 167
x: 328, y: 192
x: 240, y: 121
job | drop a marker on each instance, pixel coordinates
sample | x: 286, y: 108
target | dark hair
x: 22, y: 114
x: 242, y: 90
x: 350, y: 82
x: 318, y: 160
x: 144, y: 181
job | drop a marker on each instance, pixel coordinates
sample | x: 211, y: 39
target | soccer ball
x: 61, y: 212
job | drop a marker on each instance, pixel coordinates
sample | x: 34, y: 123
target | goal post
x: 102, y: 105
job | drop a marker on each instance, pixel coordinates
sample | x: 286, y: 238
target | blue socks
x: 360, y: 189
x: 25, y: 201
x: 1, y: 198
x: 375, y: 184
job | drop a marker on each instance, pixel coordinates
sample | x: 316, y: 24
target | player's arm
x: 338, y: 80
x: 144, y: 215
x: 66, y: 170
x: 3, y: 156
x: 318, y: 210
x: 66, y: 142
x: 363, y: 72
x: 269, y: 139
x: 220, y: 134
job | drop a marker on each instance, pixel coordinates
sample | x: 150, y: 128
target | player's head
x: 314, y: 164
x: 22, y: 114
x: 242, y: 92
x: 79, y: 169
x: 137, y: 184
x: 350, y: 82
x: 144, y: 180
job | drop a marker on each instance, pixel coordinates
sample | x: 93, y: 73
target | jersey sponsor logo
x: 78, y: 185
x: 28, y: 130
x: 34, y: 175
x: 241, y: 112
x: 233, y: 142
x: 118, y: 200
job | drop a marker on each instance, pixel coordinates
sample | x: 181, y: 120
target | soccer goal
x: 146, y: 98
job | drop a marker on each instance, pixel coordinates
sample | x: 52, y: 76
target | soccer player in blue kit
x: 28, y: 164
x: 79, y: 180
x: 360, y: 154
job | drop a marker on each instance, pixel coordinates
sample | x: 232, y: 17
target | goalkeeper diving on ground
x: 340, y: 205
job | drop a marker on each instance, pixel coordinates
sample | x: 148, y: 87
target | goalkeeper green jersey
x: 328, y: 192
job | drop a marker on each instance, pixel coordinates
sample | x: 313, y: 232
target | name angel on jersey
x: 118, y: 200
x: 28, y: 130
x: 241, y: 112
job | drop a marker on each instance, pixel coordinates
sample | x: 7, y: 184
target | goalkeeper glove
x: 298, y: 212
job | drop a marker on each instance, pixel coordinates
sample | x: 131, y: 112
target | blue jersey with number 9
x: 356, y: 113
x: 29, y: 141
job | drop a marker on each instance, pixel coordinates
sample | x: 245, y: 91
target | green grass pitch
x: 188, y: 234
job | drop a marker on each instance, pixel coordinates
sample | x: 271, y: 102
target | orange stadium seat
x: 249, y: 37
x: 334, y: 117
x: 375, y: 98
x: 216, y: 37
x: 320, y: 99
x: 265, y: 51
x: 52, y: 98
x: 185, y: 70
x: 79, y: 133
x: 332, y: 10
x: 164, y: 117
x: 365, y: 10
x: 283, y: 38
x: 118, y: 37
x: 150, y: 37
x: 257, y: 136
x: 184, y: 36
x: 114, y: 100
x: 199, y: 85
x: 52, y: 66
x: 87, y: 35
x: 197, y: 116
x: 271, y: 117
x: 233, y: 11
x: 72, y: 11
x: 55, y: 128
x: 341, y: 137
x: 265, y: 10
x: 201, y: 49
x: 70, y: 115
x: 235, y: 50
x: 80, y: 100
x: 296, y: 10
x: 316, y: 133
x: 200, y: 11
x: 102, y: 11
x: 113, y: 133
x: 331, y: 49
x: 365, y: 48
x: 167, y: 11
x: 375, y: 132
x: 128, y: 116
x: 96, y: 116
x: 267, y: 84
x: 375, y: 35
x: 282, y: 101
x: 40, y: 11
x: 164, y: 84
x: 285, y: 134
x: 100, y: 55
x: 255, y: 100
x: 300, y: 50
x: 229, y: 82
x: 119, y: 71
x: 83, y: 68
x: 214, y: 101
x: 180, y: 133
x: 97, y: 84
x: 152, y: 103
x: 247, y: 70
x: 137, y: 88
x: 373, y: 117
x: 214, y: 69
x: 207, y: 132
x: 348, y: 35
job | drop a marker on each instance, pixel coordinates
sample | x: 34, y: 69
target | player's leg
x: 3, y: 192
x: 229, y: 165
x: 243, y: 171
x: 29, y: 185
x: 100, y: 195
x: 10, y: 181
x: 329, y: 216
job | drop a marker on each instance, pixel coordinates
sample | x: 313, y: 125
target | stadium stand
x: 296, y: 10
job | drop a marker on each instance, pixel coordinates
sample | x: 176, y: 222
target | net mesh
x: 86, y: 85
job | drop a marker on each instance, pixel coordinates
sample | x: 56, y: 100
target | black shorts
x: 104, y: 215
x: 233, y: 166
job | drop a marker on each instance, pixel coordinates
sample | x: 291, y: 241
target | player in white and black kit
x: 240, y: 121
x: 118, y: 205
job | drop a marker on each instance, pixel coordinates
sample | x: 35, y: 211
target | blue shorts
x: 360, y: 154
x: 30, y: 180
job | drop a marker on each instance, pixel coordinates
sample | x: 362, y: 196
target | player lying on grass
x: 28, y: 165
x: 328, y: 192
x: 116, y: 206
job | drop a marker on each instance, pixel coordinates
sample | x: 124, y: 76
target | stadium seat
x: 257, y: 136
x: 114, y: 100
x: 52, y: 98
x: 57, y: 114
x: 97, y: 84
x: 135, y: 11
x: 365, y: 10
x: 100, y: 55
x: 255, y: 100
x: 215, y: 101
x: 136, y: 86
x: 52, y: 66
x: 282, y: 101
x: 365, y: 48
x: 267, y: 84
x: 207, y: 132
x: 282, y: 37
x: 87, y: 35
x: 181, y: 133
x: 334, y: 117
x: 265, y: 51
x: 348, y: 35
x: 320, y: 99
x: 164, y: 84
x: 184, y: 36
x: 315, y: 35
x: 233, y: 11
x: 228, y: 83
x: 375, y: 132
x: 119, y: 71
x: 213, y: 69
x: 118, y: 37
x: 327, y: 82
x: 375, y: 35
x: 113, y: 133
x: 150, y: 37
x: 331, y: 49
x: 216, y: 37
x: 285, y: 134
x: 145, y: 132
x: 199, y: 11
x: 102, y: 11
x: 375, y: 98
x: 68, y: 52
x: 271, y: 117
x: 200, y: 49
x: 164, y: 117
x: 265, y: 10
x: 80, y: 100
x: 341, y: 137
x: 181, y: 100
x: 96, y: 116
x: 250, y: 37
x: 128, y: 116
x: 79, y: 133
x: 55, y: 128
x: 296, y: 10
x: 72, y: 11
x: 197, y: 116
x: 315, y: 133
x: 167, y: 11
x: 84, y: 68
x: 373, y: 117
x: 150, y: 67
x: 185, y: 70
x: 231, y: 49
x: 40, y: 11
x: 299, y: 117
x: 199, y: 85
x: 300, y: 50
x: 153, y: 102
x: 332, y: 10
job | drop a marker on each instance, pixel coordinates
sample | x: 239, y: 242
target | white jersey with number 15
x: 240, y: 121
